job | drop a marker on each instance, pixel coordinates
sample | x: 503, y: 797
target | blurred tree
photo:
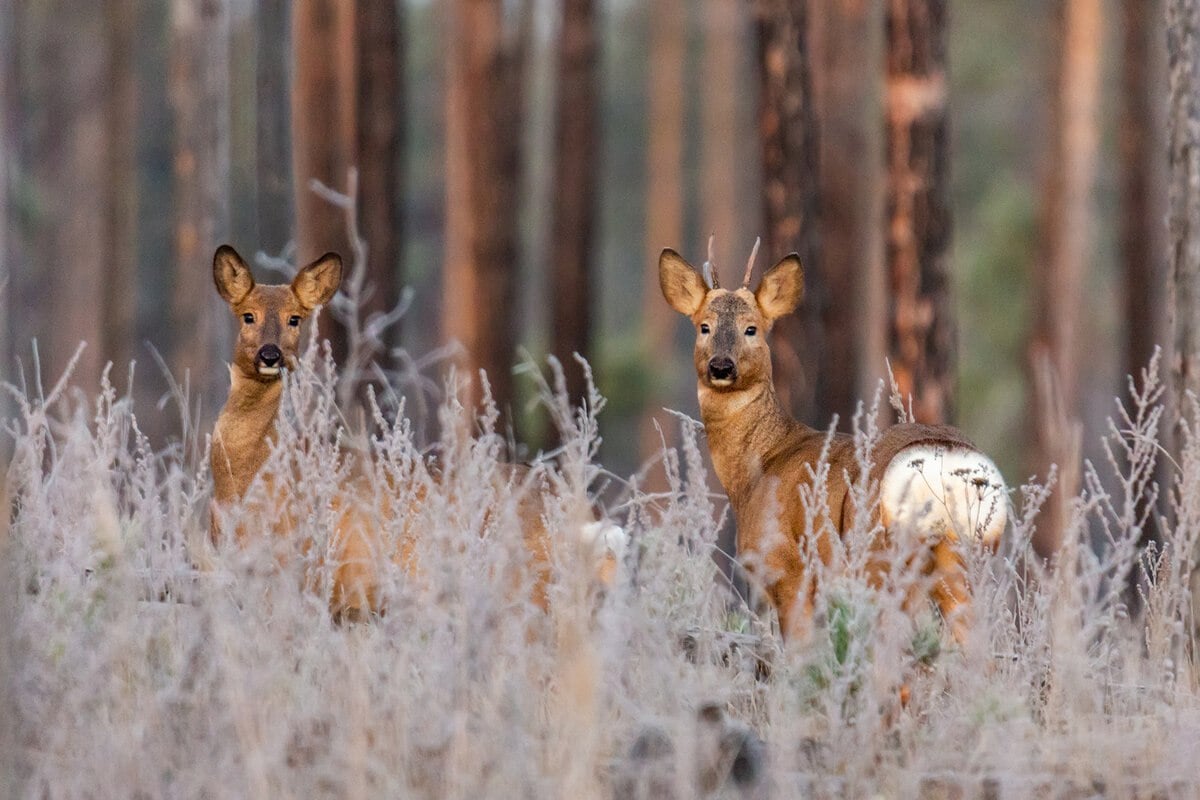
x: 272, y: 129
x: 787, y: 127
x: 922, y: 337
x: 1141, y: 142
x: 323, y: 130
x: 485, y: 51
x: 666, y: 97
x: 847, y: 64
x: 1066, y: 230
x: 8, y: 154
x: 719, y: 166
x: 575, y: 176
x: 199, y: 93
x: 66, y: 127
x: 120, y: 284
x: 380, y: 110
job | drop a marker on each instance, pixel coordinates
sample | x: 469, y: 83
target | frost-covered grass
x: 135, y: 661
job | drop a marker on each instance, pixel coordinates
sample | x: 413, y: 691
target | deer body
x: 242, y: 439
x: 933, y: 482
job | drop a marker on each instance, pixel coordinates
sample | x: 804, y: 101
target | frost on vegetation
x: 137, y: 660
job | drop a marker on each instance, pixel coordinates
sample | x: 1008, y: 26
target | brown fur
x: 761, y: 454
x: 242, y: 441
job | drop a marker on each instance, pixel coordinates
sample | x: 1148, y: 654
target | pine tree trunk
x: 574, y: 211
x: 922, y: 336
x: 483, y: 118
x: 787, y: 126
x: 719, y: 165
x: 1142, y: 143
x: 68, y: 167
x: 120, y: 284
x: 1059, y: 280
x: 664, y: 205
x: 1183, y: 131
x: 380, y: 144
x: 847, y: 37
x: 199, y: 94
x: 323, y: 131
x: 273, y: 128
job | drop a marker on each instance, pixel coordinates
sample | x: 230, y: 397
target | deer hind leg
x: 950, y: 589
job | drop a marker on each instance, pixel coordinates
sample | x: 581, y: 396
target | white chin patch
x: 268, y: 372
x: 721, y: 383
x: 945, y: 491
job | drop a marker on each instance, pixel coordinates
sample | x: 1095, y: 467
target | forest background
x: 978, y: 192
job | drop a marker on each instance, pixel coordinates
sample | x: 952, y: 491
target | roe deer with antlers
x: 267, y: 343
x: 933, y: 483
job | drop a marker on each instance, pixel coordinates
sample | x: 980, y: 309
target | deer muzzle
x: 269, y: 360
x: 721, y: 371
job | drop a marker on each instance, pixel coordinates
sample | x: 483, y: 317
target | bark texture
x: 380, y: 144
x: 483, y: 117
x: 1142, y: 141
x: 922, y: 334
x: 847, y: 45
x: 323, y: 130
x: 199, y: 95
x: 1066, y: 230
x: 273, y: 128
x: 787, y: 128
x: 666, y: 101
x: 575, y: 176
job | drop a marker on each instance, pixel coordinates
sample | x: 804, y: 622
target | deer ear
x: 781, y: 288
x: 231, y: 275
x: 319, y: 281
x: 681, y: 284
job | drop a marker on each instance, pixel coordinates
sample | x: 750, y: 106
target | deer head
x: 731, y: 351
x: 271, y: 315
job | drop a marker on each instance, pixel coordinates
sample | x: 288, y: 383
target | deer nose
x: 270, y: 355
x: 721, y: 368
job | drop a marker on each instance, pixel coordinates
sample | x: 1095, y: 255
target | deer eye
x: 751, y: 330
x: 294, y: 320
x: 248, y: 318
x: 704, y: 328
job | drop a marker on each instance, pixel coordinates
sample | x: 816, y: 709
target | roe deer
x: 933, y: 483
x: 267, y: 343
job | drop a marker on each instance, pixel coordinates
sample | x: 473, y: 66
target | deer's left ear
x: 681, y: 285
x: 781, y: 288
x: 317, y: 283
x: 231, y: 275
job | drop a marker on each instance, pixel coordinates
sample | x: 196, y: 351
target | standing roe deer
x: 933, y: 483
x: 267, y: 343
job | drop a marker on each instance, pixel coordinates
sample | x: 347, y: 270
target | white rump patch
x: 604, y: 538
x: 945, y: 491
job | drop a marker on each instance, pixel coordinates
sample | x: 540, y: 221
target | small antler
x: 750, y: 263
x: 710, y: 271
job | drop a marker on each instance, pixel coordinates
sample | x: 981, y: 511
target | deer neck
x: 241, y: 439
x: 744, y: 429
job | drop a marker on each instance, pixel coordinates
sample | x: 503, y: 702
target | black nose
x: 721, y: 368
x: 270, y: 355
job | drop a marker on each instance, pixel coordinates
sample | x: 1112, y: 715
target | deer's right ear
x: 781, y: 289
x: 681, y: 284
x: 231, y: 275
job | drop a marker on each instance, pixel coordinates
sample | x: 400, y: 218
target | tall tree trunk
x: 323, y: 131
x: 1065, y: 249
x: 719, y: 144
x: 847, y: 37
x: 922, y: 336
x: 8, y: 147
x: 1141, y: 141
x: 575, y: 174
x: 787, y: 128
x: 666, y: 97
x: 380, y: 144
x: 273, y: 129
x: 1183, y: 131
x: 120, y: 284
x: 483, y: 118
x: 199, y: 93
x: 68, y: 167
